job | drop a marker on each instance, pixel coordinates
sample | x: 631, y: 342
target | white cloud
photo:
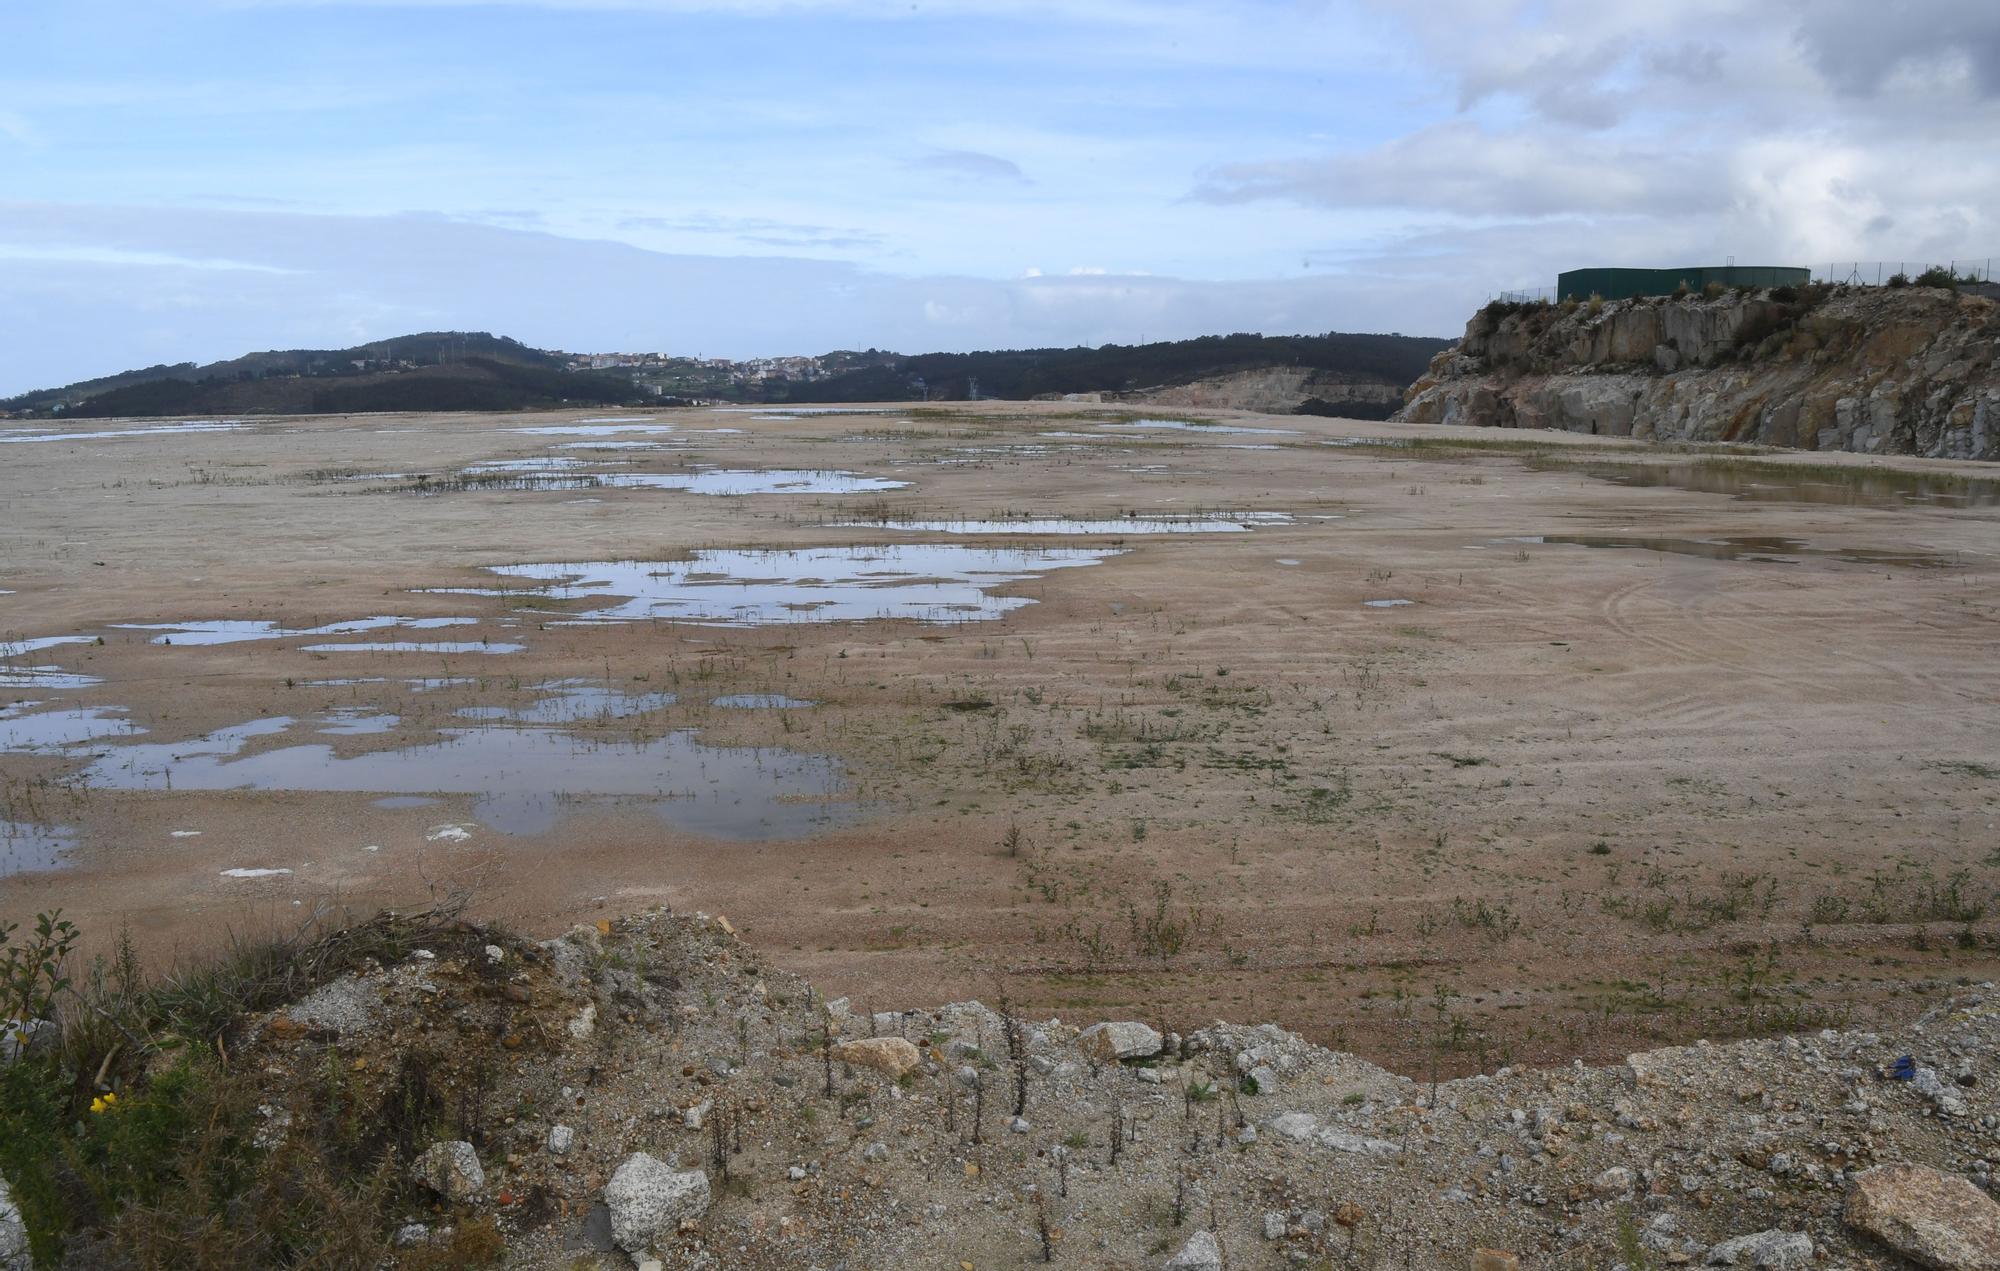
x: 1467, y: 170
x: 318, y: 281
x: 81, y: 254
x: 971, y: 163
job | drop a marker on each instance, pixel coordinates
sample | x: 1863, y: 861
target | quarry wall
x: 1874, y: 370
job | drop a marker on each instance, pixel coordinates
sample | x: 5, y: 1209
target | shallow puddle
x: 27, y: 848
x: 1185, y: 425
x: 536, y: 463
x: 760, y: 702
x: 24, y: 730
x: 765, y: 481
x: 1219, y: 523
x: 421, y: 685
x: 572, y: 474
x: 595, y: 428
x: 573, y: 701
x: 416, y: 646
x: 237, y: 631
x: 357, y: 722
x: 521, y: 780
x: 746, y: 588
x: 155, y: 430
x: 44, y: 678
x: 798, y: 412
x: 1390, y: 443
x: 22, y: 646
x: 1762, y: 550
x: 1838, y: 485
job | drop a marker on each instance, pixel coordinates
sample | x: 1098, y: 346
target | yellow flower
x: 104, y: 1102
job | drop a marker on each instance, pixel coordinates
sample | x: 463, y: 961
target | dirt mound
x: 1007, y: 1143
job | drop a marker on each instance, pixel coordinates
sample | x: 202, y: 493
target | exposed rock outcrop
x: 1276, y: 390
x: 1906, y: 371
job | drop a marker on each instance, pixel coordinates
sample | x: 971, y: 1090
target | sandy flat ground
x: 1568, y: 799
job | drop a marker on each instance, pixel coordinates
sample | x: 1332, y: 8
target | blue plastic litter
x: 1904, y: 1069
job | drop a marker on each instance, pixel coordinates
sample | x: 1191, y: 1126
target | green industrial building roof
x: 1620, y: 284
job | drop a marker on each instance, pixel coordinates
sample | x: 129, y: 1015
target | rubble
x: 706, y: 1123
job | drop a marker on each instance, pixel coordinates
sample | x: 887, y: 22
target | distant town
x: 673, y: 375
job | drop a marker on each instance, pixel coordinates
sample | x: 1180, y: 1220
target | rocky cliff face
x: 1277, y: 390
x: 1908, y: 371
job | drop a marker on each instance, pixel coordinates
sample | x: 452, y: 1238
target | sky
x: 194, y: 179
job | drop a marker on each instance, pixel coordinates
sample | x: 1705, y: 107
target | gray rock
x: 560, y: 1139
x: 1304, y: 1127
x: 1019, y: 1125
x: 1932, y: 1087
x: 1113, y: 1041
x: 875, y: 1152
x: 1200, y: 1253
x: 1616, y: 1181
x: 349, y: 1006
x: 1764, y: 1250
x: 1342, y: 1141
x: 1297, y: 1126
x: 451, y: 1169
x: 27, y: 1037
x: 1274, y: 1225
x: 13, y: 1234
x: 649, y: 1199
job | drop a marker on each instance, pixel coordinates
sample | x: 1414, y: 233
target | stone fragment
x: 891, y: 1055
x: 13, y: 1234
x: 649, y: 1200
x: 1113, y: 1041
x: 1764, y: 1250
x: 1200, y: 1253
x: 451, y: 1169
x: 1297, y: 1126
x: 560, y: 1139
x: 1935, y: 1220
x: 1614, y: 1182
x: 1495, y: 1260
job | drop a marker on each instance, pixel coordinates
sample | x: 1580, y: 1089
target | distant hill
x: 1370, y: 363
x: 1361, y: 376
x: 433, y: 370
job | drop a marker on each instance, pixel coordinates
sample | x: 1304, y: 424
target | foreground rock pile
x: 645, y: 1092
x: 1907, y: 371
